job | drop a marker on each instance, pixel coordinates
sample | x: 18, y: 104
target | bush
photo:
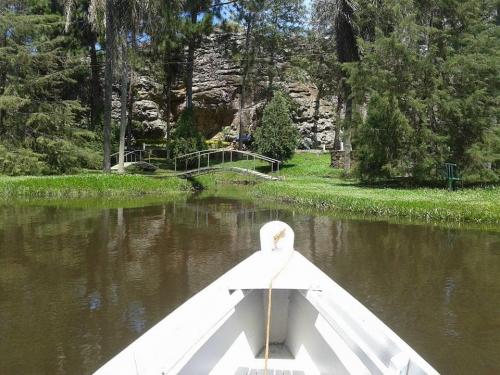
x: 20, y: 161
x: 383, y: 141
x: 186, y: 138
x: 277, y: 137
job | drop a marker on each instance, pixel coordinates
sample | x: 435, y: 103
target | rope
x: 276, y: 238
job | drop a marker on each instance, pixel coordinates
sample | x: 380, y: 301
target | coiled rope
x: 276, y: 238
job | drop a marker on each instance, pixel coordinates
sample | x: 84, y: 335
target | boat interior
x: 303, y: 339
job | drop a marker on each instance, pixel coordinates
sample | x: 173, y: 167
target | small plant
x: 277, y: 137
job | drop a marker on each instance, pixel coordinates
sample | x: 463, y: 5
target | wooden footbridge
x: 209, y: 161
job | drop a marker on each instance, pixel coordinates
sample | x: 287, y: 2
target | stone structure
x: 216, y: 97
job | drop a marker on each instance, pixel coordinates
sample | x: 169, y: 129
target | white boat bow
x: 316, y: 327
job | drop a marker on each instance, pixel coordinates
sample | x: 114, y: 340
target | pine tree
x: 277, y: 137
x: 42, y: 118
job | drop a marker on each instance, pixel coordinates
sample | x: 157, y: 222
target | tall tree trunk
x: 108, y: 84
x: 124, y: 97
x: 246, y: 69
x: 95, y: 85
x: 131, y: 99
x: 270, y: 88
x: 190, y: 63
x: 3, y: 81
x: 337, y: 146
x: 169, y: 110
x: 347, y: 132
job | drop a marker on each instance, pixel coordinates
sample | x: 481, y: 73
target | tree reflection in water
x: 78, y: 284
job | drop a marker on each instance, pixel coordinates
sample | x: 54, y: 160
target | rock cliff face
x: 216, y: 97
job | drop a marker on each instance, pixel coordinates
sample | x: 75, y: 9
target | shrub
x: 383, y: 141
x: 186, y: 138
x: 277, y: 137
x: 20, y: 161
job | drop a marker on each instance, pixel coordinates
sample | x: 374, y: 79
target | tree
x: 194, y: 29
x: 167, y: 44
x: 277, y: 31
x: 247, y: 13
x: 337, y: 18
x: 119, y: 17
x: 439, y: 62
x: 386, y: 135
x: 42, y: 126
x: 277, y: 137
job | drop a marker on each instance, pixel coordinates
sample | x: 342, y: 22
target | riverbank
x: 308, y: 181
x: 90, y: 185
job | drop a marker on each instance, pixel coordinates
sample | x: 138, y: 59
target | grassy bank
x: 89, y: 185
x: 309, y: 182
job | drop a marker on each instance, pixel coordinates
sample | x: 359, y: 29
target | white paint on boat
x: 316, y: 326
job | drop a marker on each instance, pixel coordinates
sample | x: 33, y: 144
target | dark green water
x: 78, y: 284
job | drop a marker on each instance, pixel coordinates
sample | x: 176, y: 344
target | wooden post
x: 254, y: 162
x: 231, y: 156
x: 223, y: 152
x: 208, y: 160
x: 199, y: 161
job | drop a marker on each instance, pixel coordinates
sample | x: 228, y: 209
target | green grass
x: 89, y: 185
x: 308, y: 181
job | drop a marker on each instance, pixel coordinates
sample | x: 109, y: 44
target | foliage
x: 20, y: 161
x: 277, y: 137
x: 186, y: 138
x: 41, y: 112
x: 441, y: 65
x: 386, y: 136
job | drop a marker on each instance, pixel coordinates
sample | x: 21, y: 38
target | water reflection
x: 77, y: 285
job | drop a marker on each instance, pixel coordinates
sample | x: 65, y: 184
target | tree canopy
x: 414, y: 84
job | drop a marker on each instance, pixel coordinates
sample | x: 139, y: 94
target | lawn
x: 309, y: 181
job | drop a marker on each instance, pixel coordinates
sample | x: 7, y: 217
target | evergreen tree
x: 440, y: 63
x: 338, y: 20
x: 42, y: 126
x: 277, y: 137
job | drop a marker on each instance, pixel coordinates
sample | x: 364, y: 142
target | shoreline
x: 308, y: 182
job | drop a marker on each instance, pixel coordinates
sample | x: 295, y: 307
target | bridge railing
x: 206, y: 159
x: 130, y: 156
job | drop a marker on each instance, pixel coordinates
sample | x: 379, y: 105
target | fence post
x: 254, y: 162
x: 223, y: 152
x: 199, y: 161
x: 175, y: 164
x: 231, y: 156
x: 208, y: 159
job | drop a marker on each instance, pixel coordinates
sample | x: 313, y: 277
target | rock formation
x: 216, y: 97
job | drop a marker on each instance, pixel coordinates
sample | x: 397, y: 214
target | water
x: 78, y: 284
